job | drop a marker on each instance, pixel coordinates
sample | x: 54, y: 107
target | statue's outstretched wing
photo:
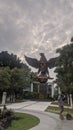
x: 52, y: 62
x: 32, y: 62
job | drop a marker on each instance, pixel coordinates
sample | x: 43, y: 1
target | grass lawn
x: 24, y: 122
x: 56, y: 110
x: 56, y: 103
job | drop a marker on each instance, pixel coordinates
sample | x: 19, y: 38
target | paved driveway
x: 37, y: 108
x: 48, y: 121
x: 30, y: 105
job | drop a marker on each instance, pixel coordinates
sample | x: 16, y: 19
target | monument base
x: 43, y: 88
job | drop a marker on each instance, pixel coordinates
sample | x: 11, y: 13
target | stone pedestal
x: 43, y: 88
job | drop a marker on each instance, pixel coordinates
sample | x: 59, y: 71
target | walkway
x: 48, y: 121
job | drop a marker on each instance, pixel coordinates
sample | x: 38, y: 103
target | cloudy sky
x: 33, y: 26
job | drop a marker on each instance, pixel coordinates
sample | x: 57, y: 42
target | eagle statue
x: 42, y: 65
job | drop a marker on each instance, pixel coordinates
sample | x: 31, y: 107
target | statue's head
x: 43, y: 58
x: 42, y: 54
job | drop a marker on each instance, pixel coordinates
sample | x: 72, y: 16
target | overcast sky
x: 33, y: 26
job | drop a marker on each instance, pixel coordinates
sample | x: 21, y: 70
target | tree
x: 5, y: 79
x: 64, y: 68
x: 10, y: 60
x: 20, y: 79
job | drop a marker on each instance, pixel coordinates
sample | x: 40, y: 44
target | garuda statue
x: 42, y: 65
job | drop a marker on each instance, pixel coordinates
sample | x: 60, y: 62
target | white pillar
x: 52, y: 93
x: 47, y: 89
x: 59, y: 91
x: 71, y: 104
x: 31, y: 87
x: 4, y: 98
x: 38, y: 88
x: 68, y: 99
